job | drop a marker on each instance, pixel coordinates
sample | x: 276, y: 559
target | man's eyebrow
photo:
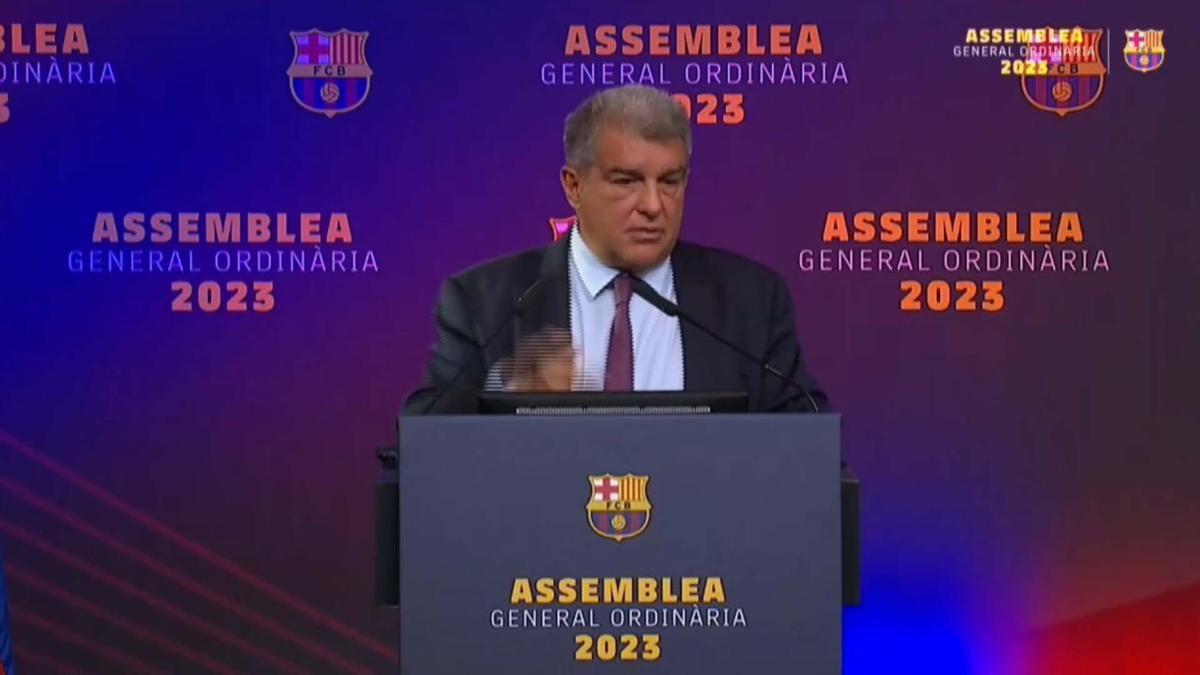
x: 623, y: 172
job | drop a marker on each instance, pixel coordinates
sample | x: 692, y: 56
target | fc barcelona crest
x: 618, y: 508
x: 329, y: 72
x: 1068, y: 75
x: 1144, y: 49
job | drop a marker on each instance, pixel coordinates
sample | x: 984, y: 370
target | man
x: 579, y: 326
x: 6, y: 662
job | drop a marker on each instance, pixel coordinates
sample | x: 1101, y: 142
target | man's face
x: 630, y: 201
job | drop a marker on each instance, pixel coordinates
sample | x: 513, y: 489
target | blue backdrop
x: 186, y: 455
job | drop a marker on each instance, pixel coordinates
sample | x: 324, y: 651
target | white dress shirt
x: 657, y: 341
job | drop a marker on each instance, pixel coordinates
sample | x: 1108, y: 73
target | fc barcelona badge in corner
x: 1144, y: 50
x: 619, y: 507
x: 329, y: 74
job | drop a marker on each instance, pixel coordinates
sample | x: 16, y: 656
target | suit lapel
x: 696, y: 294
x: 552, y: 306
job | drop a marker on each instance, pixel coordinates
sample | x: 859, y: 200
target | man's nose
x: 649, y: 201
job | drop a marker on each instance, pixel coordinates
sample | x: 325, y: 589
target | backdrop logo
x: 329, y: 72
x: 619, y: 508
x: 561, y: 227
x: 221, y: 262
x: 1144, y: 49
x: 711, y: 70
x: 955, y: 261
x: 1069, y: 73
x: 43, y: 54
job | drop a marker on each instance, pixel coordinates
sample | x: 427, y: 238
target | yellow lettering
x: 521, y: 593
x: 567, y: 594
x: 668, y: 598
x: 618, y: 591
x: 714, y: 590
x: 691, y: 590
x: 647, y: 591
x: 589, y: 590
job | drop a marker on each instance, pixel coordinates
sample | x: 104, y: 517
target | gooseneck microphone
x: 647, y: 293
x: 518, y: 308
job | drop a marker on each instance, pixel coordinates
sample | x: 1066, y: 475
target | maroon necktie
x: 618, y: 369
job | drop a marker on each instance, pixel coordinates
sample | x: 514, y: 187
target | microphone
x: 647, y: 293
x: 518, y: 308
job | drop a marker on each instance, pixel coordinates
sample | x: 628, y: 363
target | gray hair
x: 648, y: 112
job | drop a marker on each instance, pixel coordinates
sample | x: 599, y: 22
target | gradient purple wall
x: 1019, y: 470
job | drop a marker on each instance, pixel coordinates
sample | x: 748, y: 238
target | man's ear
x: 570, y: 184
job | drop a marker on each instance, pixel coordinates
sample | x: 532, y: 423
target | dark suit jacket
x: 738, y: 298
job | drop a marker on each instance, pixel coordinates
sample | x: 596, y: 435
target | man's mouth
x: 645, y: 235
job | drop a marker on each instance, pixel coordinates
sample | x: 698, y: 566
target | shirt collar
x: 596, y: 276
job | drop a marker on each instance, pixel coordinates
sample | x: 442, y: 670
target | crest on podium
x: 619, y: 506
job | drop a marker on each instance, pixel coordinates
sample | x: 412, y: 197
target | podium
x: 667, y: 543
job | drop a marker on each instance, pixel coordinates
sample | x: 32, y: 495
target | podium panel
x: 671, y: 544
